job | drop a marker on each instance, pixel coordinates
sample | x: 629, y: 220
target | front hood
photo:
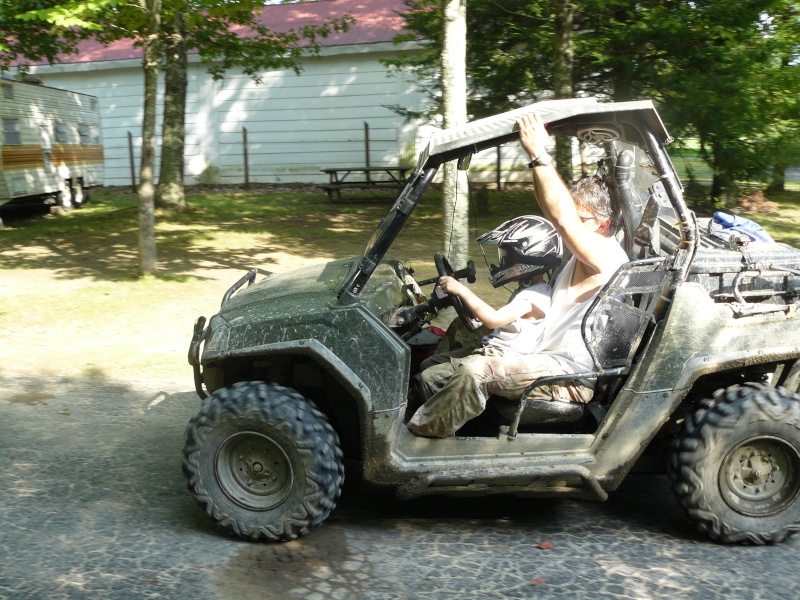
x: 307, y: 282
x: 301, y: 305
x: 311, y: 292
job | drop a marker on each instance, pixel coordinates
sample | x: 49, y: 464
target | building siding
x: 296, y: 124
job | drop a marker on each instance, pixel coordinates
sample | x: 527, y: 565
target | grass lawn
x: 72, y: 304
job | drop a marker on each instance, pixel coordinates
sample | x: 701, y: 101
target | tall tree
x: 31, y: 38
x: 720, y: 80
x: 161, y: 25
x: 714, y: 71
x: 141, y: 20
x: 209, y: 28
x: 563, y: 59
x: 455, y: 192
x: 170, y: 191
x: 148, y: 263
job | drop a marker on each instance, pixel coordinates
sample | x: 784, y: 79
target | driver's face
x: 591, y: 221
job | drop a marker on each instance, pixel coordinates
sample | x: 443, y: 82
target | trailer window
x: 61, y: 131
x: 8, y: 91
x: 48, y: 161
x: 90, y: 134
x: 11, y: 132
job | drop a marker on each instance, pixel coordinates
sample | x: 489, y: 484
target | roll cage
x: 635, y: 123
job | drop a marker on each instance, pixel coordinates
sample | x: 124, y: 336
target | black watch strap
x: 543, y: 159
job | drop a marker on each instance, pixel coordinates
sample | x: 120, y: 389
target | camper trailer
x: 52, y: 149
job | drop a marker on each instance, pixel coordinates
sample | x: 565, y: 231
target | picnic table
x: 356, y: 177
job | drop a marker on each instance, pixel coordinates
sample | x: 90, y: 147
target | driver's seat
x: 613, y: 327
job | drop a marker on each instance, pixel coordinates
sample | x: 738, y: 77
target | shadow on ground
x: 94, y: 504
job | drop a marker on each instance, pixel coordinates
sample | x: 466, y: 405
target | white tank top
x: 562, y: 337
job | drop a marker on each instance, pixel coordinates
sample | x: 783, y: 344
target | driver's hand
x: 451, y: 286
x: 533, y: 135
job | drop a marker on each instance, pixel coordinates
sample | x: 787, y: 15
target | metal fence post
x: 130, y: 156
x: 246, y: 159
x: 366, y: 147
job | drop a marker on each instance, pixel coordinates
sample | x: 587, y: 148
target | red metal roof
x: 376, y: 21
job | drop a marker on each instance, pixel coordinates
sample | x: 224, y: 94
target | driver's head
x: 593, y: 200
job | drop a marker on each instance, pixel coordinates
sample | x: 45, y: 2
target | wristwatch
x: 543, y: 159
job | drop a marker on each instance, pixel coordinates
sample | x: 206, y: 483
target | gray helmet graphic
x: 526, y: 246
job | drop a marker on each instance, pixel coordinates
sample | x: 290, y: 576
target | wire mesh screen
x: 619, y: 318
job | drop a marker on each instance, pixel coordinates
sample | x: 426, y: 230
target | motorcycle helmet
x: 526, y: 246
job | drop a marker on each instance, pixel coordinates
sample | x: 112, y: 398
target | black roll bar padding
x: 690, y: 234
x: 402, y: 208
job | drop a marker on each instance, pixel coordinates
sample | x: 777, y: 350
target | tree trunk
x: 170, y: 193
x: 147, y: 239
x: 562, y: 81
x: 778, y: 179
x: 455, y: 192
x: 723, y: 185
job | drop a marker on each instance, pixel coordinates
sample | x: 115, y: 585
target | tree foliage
x: 223, y: 33
x: 29, y: 37
x: 725, y: 75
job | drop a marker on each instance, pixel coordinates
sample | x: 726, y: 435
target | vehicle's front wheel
x: 263, y: 462
x: 735, y: 466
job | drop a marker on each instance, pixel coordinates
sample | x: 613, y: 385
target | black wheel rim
x: 761, y: 476
x: 254, y: 471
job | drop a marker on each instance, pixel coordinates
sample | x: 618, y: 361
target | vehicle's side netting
x: 616, y: 324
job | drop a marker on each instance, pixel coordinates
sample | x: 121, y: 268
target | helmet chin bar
x: 517, y: 272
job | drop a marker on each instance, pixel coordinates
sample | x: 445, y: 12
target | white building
x: 296, y: 125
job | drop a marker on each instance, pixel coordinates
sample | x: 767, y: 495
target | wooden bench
x: 361, y: 177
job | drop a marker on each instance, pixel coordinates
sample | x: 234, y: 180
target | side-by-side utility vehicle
x: 695, y: 343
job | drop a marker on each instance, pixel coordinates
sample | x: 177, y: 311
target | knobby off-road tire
x: 735, y: 466
x: 263, y: 462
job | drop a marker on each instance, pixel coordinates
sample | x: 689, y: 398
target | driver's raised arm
x: 559, y: 206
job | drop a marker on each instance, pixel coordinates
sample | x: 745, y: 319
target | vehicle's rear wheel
x: 263, y: 462
x: 735, y: 466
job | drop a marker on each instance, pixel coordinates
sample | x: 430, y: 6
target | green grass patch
x: 74, y: 278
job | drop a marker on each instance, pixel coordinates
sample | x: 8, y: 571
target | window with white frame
x: 61, y: 132
x: 90, y: 134
x: 12, y: 135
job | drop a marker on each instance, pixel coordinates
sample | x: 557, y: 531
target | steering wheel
x: 465, y: 314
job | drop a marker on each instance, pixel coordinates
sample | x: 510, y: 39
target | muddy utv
x: 695, y: 344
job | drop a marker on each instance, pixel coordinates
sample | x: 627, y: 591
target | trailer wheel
x: 735, y: 466
x: 64, y: 198
x: 78, y: 194
x: 263, y: 462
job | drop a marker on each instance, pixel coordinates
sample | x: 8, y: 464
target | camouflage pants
x: 456, y: 386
